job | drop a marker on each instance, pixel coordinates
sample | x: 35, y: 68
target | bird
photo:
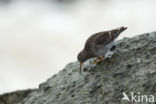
x: 98, y: 44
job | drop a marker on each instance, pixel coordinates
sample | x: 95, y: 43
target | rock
x: 132, y: 68
x: 15, y: 97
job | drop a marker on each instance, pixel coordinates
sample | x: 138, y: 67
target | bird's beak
x: 80, y: 66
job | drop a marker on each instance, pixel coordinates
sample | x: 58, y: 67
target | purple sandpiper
x: 98, y: 44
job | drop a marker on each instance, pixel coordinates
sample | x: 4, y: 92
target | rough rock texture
x: 132, y: 68
x: 15, y: 97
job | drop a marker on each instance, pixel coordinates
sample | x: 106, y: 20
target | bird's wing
x: 102, y: 39
x: 105, y: 40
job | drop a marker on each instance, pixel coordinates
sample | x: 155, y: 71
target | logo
x: 139, y: 98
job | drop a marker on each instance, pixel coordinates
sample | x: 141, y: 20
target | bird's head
x: 81, y: 58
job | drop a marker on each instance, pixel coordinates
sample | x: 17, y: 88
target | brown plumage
x: 99, y: 44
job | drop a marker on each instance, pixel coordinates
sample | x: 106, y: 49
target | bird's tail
x: 121, y: 29
x: 116, y: 32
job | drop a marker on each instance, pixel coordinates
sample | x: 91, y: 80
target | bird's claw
x: 98, y: 60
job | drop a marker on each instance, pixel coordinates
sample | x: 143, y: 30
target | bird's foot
x: 99, y: 59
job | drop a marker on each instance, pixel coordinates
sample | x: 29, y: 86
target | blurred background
x: 39, y: 37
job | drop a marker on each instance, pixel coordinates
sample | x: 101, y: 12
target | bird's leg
x: 99, y: 59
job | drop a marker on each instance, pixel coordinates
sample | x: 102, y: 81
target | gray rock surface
x: 15, y: 97
x: 132, y: 68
